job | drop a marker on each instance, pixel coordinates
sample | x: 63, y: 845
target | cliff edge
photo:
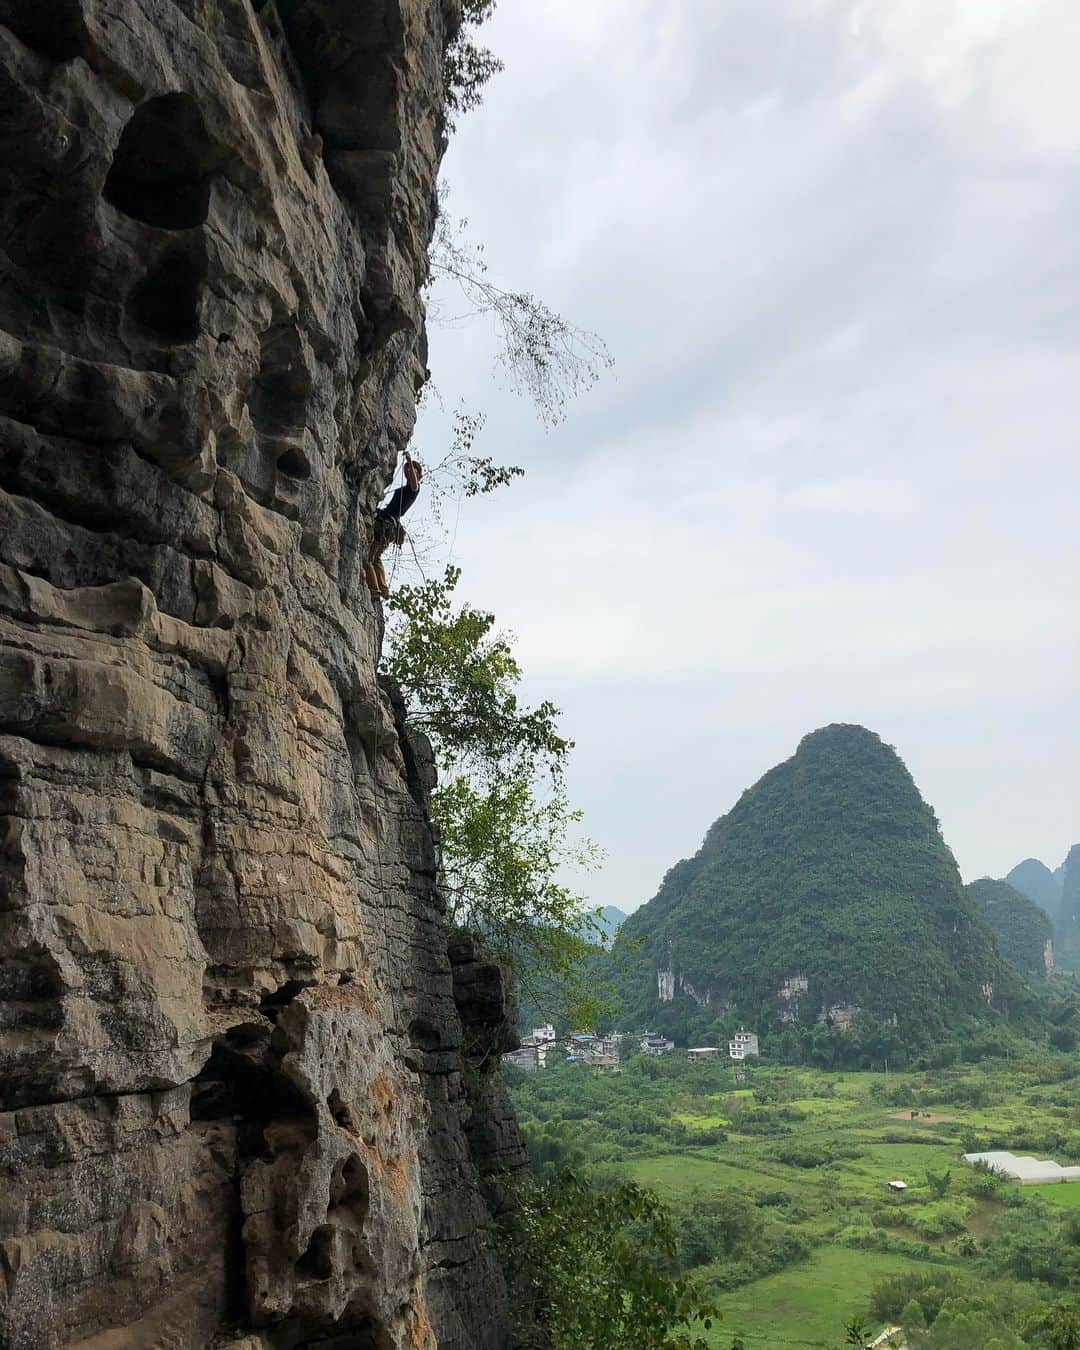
x: 240, y: 1103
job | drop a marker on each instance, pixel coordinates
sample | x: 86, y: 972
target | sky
x: 832, y: 476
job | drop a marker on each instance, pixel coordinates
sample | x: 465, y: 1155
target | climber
x: 388, y: 527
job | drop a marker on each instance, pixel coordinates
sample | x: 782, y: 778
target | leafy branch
x: 545, y: 357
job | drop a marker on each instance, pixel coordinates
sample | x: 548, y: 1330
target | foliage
x: 1020, y: 926
x: 503, y: 820
x: 831, y: 867
x: 1033, y: 1242
x: 543, y: 355
x: 729, y: 1233
x: 1068, y: 919
x: 755, y: 1223
x: 460, y: 680
x: 593, y: 1269
x: 467, y: 66
x: 938, y: 1182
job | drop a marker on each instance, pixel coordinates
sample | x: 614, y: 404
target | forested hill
x: 610, y: 920
x: 1068, y: 924
x: 1035, y: 880
x: 1024, y: 932
x: 827, y: 888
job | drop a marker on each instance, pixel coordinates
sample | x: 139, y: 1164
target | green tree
x: 593, y: 1271
x: 467, y: 66
x: 855, y: 1333
x: 506, y: 828
x: 938, y: 1181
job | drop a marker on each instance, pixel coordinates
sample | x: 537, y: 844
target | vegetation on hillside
x: 1068, y: 924
x: 832, y: 868
x: 1021, y: 928
x: 506, y: 829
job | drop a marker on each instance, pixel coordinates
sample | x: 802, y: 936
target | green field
x: 789, y: 1177
x: 804, y: 1306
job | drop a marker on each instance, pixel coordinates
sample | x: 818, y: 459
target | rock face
x: 238, y: 1096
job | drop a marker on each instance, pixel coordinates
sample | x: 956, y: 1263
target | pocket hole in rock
x: 166, y: 301
x: 161, y: 171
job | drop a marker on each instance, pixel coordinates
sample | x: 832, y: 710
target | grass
x: 850, y: 1132
x: 1065, y: 1193
x: 807, y: 1304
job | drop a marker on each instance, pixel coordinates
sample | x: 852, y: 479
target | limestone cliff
x: 238, y: 1095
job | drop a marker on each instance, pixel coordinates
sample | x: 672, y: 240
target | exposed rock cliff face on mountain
x: 242, y: 1072
x: 825, y: 894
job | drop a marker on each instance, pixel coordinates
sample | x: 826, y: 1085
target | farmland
x: 779, y: 1186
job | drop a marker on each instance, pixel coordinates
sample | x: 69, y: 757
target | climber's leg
x: 373, y: 569
x: 380, y: 574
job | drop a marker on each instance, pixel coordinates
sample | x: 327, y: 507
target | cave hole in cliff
x: 242, y: 1082
x: 271, y: 1004
x: 293, y: 463
x: 166, y: 301
x: 341, y: 1110
x: 424, y: 1035
x: 162, y: 167
x: 279, y: 393
x: 349, y: 1186
x: 54, y: 30
x: 317, y: 1263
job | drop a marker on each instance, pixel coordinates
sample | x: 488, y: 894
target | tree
x: 505, y: 826
x: 856, y: 1334
x: 467, y: 67
x: 593, y: 1267
x: 938, y: 1181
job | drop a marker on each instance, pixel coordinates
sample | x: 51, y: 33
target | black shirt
x: 400, y: 501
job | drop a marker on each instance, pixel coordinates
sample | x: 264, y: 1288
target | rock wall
x: 239, y: 1102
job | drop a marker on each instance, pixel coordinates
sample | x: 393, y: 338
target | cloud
x: 834, y: 475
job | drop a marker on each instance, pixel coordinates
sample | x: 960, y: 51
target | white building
x: 703, y: 1052
x: 543, y: 1035
x: 1027, y: 1171
x: 742, y: 1044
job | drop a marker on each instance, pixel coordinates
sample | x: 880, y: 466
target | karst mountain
x: 1024, y: 933
x: 825, y: 894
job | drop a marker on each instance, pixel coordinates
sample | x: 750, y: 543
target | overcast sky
x: 832, y: 247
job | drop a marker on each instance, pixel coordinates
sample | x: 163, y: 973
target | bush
x: 802, y: 1155
x: 587, y: 1266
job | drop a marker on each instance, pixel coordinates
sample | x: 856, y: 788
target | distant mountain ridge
x: 826, y: 892
x: 1057, y: 893
x: 1035, y: 880
x: 611, y: 919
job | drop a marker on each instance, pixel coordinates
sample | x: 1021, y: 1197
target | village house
x: 653, y: 1044
x: 525, y: 1058
x: 703, y: 1052
x: 742, y: 1044
x: 604, y: 1063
